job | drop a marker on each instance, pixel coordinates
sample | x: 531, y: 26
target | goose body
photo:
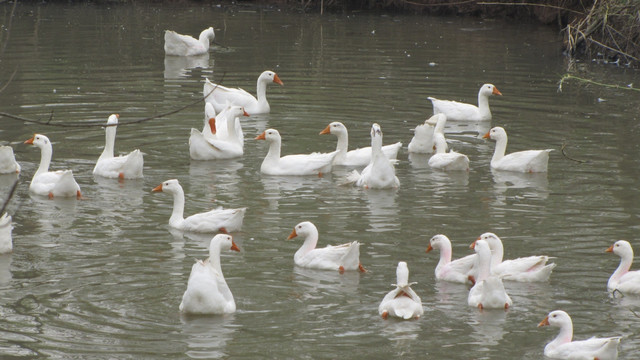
x: 185, y: 45
x: 624, y: 280
x: 6, y: 226
x: 207, y: 291
x: 562, y: 347
x: 524, y: 269
x: 380, y: 173
x: 522, y: 161
x: 443, y: 160
x: 460, y: 111
x: 488, y: 291
x: 123, y: 167
x: 298, y: 164
x: 422, y: 140
x: 340, y: 257
x: 357, y: 157
x: 8, y: 163
x: 454, y: 271
x: 212, y: 221
x: 222, y: 95
x: 212, y: 145
x: 59, y: 183
x: 401, y: 302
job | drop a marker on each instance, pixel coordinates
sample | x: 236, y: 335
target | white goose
x: 488, y: 291
x: 525, y: 269
x: 340, y: 257
x: 461, y: 111
x: 380, y: 173
x: 401, y: 302
x: 422, y: 141
x: 207, y: 292
x: 563, y: 348
x: 185, y: 45
x: 221, y: 94
x: 443, y: 160
x: 8, y: 163
x: 225, y: 220
x: 357, y: 157
x: 6, y: 226
x: 522, y: 161
x: 454, y: 271
x: 623, y: 280
x: 209, y: 145
x: 299, y: 164
x: 51, y: 183
x: 122, y: 167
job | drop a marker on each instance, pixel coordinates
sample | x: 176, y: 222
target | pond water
x: 103, y: 277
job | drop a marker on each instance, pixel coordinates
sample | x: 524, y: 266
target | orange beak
x: 496, y: 91
x: 157, y: 188
x: 293, y: 234
x: 262, y: 136
x: 30, y: 141
x: 610, y: 249
x: 326, y: 130
x: 487, y: 135
x: 277, y: 80
x: 473, y: 245
x: 245, y: 113
x: 212, y: 125
x: 544, y: 322
x: 234, y: 247
x: 429, y: 248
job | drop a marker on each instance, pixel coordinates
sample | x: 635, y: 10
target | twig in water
x: 9, y: 196
x: 569, y: 77
x: 564, y: 153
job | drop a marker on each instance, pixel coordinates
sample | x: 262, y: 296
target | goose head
x: 113, y: 119
x: 208, y: 34
x: 621, y: 248
x: 437, y: 241
x: 270, y: 135
x: 334, y: 128
x: 269, y: 77
x: 303, y: 229
x: 39, y: 140
x: 236, y: 111
x: 557, y: 318
x: 225, y: 241
x: 489, y: 89
x: 171, y: 186
x: 496, y: 133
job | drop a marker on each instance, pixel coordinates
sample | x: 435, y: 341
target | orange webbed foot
x: 385, y: 314
x: 341, y: 269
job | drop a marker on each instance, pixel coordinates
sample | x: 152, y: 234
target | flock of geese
x: 222, y: 138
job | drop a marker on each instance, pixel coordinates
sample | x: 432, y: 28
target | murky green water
x: 103, y: 277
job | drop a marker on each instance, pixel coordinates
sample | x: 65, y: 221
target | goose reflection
x: 118, y: 201
x: 223, y: 174
x: 317, y: 282
x: 488, y: 326
x: 535, y: 184
x: 5, y: 269
x: 176, y: 67
x: 207, y: 336
x: 402, y: 333
x: 383, y: 210
x: 282, y: 187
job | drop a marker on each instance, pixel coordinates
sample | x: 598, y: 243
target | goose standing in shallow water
x: 401, y: 302
x: 488, y: 291
x: 298, y: 164
x: 122, y: 167
x: 461, y: 111
x: 185, y: 45
x: 562, y: 347
x: 340, y: 257
x: 623, y: 280
x: 380, y: 173
x: 530, y: 161
x: 207, y: 291
x: 51, y: 183
x: 222, y: 95
x: 8, y: 163
x: 226, y: 220
x: 454, y: 271
x: 357, y: 157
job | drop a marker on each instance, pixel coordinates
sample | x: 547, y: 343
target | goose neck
x: 46, y: 152
x: 501, y: 148
x: 178, y: 206
x: 109, y: 142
